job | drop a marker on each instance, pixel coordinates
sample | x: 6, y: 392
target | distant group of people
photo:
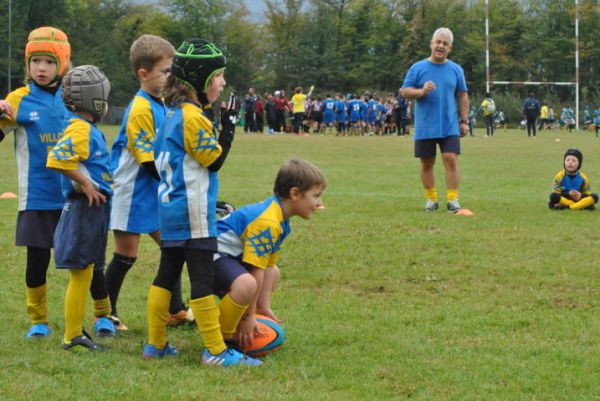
x: 349, y: 114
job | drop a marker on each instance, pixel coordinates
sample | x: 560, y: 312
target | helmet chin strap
x: 202, y: 98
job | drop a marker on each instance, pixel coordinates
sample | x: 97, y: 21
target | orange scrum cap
x: 52, y: 42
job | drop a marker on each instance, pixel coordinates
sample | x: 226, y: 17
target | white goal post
x: 535, y: 83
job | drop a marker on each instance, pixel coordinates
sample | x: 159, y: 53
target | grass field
x: 381, y: 300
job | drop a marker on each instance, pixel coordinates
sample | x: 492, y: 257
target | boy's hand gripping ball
x: 269, y: 338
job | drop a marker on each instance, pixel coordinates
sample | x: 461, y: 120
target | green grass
x: 381, y: 300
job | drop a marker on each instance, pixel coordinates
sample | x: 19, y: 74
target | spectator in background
x: 249, y: 110
x: 259, y: 115
x: 281, y: 106
x: 531, y: 111
x: 270, y: 113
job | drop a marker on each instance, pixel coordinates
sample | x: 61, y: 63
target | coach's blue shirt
x: 436, y: 114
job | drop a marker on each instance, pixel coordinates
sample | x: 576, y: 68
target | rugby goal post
x: 535, y: 83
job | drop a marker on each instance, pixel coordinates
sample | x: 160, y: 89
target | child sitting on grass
x: 571, y: 186
x: 249, y: 240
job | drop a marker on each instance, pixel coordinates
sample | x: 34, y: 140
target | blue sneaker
x: 151, y: 352
x: 229, y: 357
x: 104, y: 327
x: 38, y: 330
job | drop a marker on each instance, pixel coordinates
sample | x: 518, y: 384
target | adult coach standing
x: 531, y: 111
x: 441, y: 115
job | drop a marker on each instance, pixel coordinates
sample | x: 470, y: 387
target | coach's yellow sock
x: 206, y: 313
x: 431, y: 194
x: 451, y: 195
x: 75, y: 300
x: 230, y: 314
x: 102, y: 307
x: 566, y: 201
x: 37, y: 306
x: 157, y: 313
x: 583, y: 203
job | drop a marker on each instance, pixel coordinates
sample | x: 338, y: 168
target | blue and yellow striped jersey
x: 39, y: 122
x: 579, y: 182
x: 254, y: 233
x: 187, y: 193
x: 135, y: 204
x: 83, y: 148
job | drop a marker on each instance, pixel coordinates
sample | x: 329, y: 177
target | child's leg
x: 100, y: 295
x: 585, y: 202
x: 75, y: 301
x: 125, y: 255
x: 201, y: 271
x: 232, y: 276
x: 38, y: 260
x: 159, y: 296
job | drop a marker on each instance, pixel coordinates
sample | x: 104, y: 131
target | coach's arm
x: 414, y: 93
x: 462, y: 98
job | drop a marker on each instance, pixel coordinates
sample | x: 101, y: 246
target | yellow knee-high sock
x: 583, y: 203
x: 431, y: 194
x: 566, y: 201
x: 75, y: 300
x: 230, y: 314
x: 102, y: 307
x: 37, y: 306
x: 451, y: 194
x: 207, y: 319
x: 157, y: 313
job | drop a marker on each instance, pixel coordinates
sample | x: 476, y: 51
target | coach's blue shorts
x: 81, y: 234
x: 426, y: 148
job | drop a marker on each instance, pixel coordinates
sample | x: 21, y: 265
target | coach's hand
x: 464, y: 129
x: 428, y: 87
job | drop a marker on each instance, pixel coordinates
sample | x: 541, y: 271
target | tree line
x: 336, y: 45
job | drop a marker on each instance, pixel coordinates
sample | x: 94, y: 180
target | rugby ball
x: 268, y: 338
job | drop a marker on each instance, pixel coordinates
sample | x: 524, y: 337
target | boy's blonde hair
x: 298, y: 173
x: 147, y: 50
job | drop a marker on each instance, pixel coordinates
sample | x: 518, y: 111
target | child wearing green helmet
x: 188, y: 155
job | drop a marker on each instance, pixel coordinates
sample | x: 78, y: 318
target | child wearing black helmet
x: 571, y: 186
x: 82, y: 157
x: 188, y: 155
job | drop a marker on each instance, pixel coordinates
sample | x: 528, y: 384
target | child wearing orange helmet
x: 35, y: 113
x: 37, y: 116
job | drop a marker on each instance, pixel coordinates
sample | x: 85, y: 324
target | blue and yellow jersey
x: 564, y: 182
x: 39, y: 122
x: 135, y: 205
x: 254, y: 233
x: 187, y: 194
x: 83, y: 148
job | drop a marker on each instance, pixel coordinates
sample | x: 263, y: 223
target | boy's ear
x: 295, y: 193
x: 143, y: 74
